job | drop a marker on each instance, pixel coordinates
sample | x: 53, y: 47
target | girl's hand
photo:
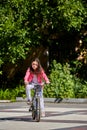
x: 42, y: 83
x: 48, y: 82
x: 42, y: 86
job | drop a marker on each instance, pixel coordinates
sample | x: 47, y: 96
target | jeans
x: 28, y: 93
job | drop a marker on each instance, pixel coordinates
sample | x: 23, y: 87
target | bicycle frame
x: 35, y: 106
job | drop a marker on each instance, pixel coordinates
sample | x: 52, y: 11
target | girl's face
x: 34, y: 65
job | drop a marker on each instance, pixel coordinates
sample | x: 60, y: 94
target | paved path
x: 15, y: 116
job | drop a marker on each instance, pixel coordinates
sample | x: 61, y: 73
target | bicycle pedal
x: 30, y: 109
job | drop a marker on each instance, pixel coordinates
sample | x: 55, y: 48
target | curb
x: 58, y: 100
x: 51, y: 100
x: 75, y: 100
x: 5, y: 101
x: 66, y: 100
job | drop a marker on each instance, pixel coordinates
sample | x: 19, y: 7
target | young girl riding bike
x: 35, y: 75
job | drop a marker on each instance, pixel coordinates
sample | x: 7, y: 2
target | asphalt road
x: 59, y: 116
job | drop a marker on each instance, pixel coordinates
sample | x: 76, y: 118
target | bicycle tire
x: 33, y: 112
x: 38, y: 110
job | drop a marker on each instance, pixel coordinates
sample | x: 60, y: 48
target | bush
x: 61, y: 85
x: 64, y: 84
x: 11, y: 94
x: 80, y: 88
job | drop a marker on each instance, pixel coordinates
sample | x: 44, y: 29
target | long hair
x: 39, y: 68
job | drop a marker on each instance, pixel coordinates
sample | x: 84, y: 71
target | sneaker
x: 30, y: 109
x: 42, y: 114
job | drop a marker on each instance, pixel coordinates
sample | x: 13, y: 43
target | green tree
x: 24, y: 23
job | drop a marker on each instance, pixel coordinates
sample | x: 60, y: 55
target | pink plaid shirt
x: 29, y: 77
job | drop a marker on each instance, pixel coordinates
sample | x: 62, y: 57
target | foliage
x: 80, y: 88
x: 61, y: 80
x: 64, y: 84
x: 28, y: 23
x: 23, y: 23
x: 11, y: 94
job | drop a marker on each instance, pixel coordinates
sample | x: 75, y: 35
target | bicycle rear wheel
x: 38, y: 109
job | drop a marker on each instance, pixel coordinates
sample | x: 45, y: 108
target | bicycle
x: 35, y: 104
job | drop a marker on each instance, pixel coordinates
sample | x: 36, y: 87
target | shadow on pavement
x: 27, y: 119
x: 73, y: 128
x: 51, y: 114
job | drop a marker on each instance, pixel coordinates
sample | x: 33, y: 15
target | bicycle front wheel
x: 38, y: 109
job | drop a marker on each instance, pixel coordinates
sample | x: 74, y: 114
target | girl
x: 35, y: 74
